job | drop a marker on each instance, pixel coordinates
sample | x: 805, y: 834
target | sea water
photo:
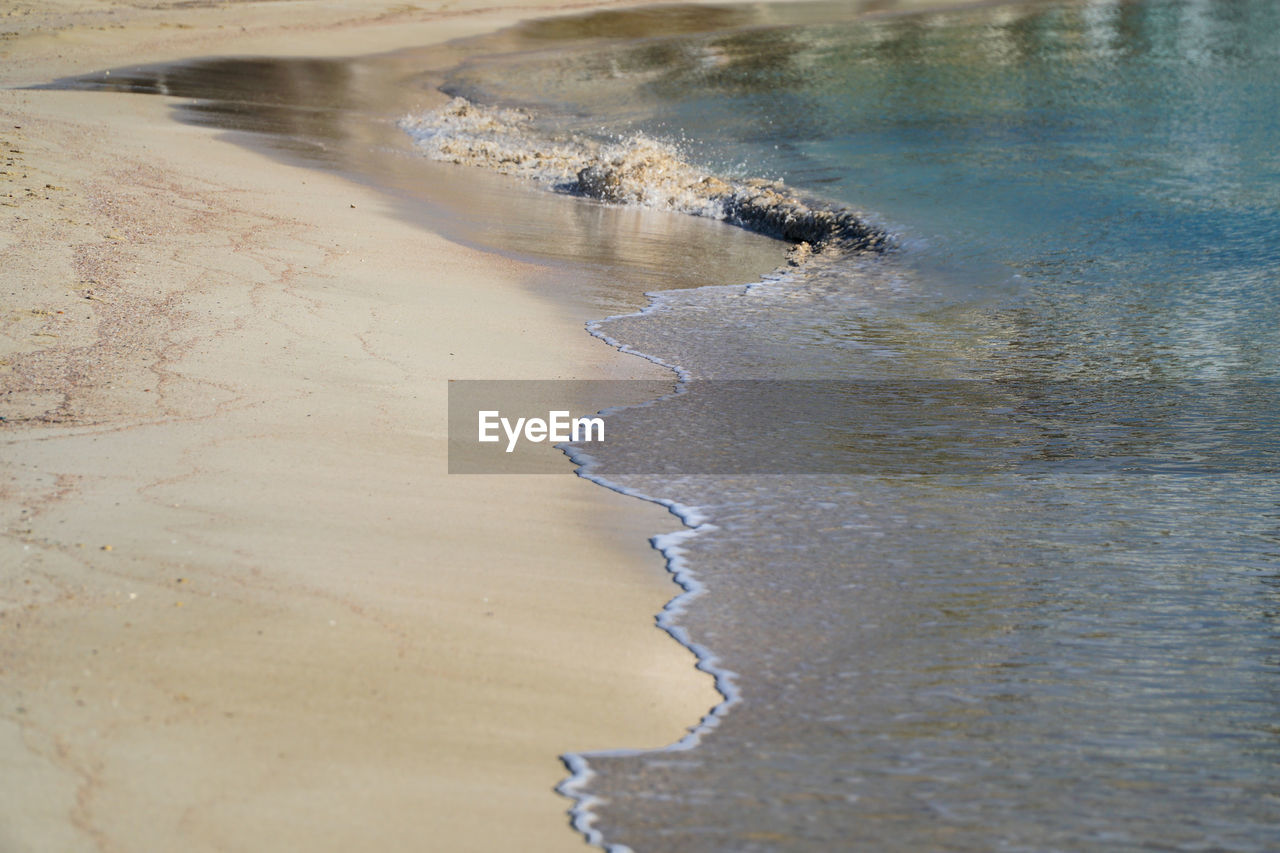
x: 1015, y: 583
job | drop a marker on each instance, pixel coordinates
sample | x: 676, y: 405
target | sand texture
x: 242, y: 606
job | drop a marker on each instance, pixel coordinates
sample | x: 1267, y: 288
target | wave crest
x: 638, y: 170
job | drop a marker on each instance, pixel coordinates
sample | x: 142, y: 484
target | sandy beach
x: 242, y: 605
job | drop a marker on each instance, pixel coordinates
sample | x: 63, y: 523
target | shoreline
x: 249, y: 603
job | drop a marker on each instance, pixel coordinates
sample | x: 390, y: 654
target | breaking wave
x: 638, y: 170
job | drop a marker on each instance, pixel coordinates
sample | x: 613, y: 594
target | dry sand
x: 242, y: 606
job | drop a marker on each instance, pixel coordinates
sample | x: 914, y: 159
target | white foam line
x: 582, y: 814
x: 671, y: 546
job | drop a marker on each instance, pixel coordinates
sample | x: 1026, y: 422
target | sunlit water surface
x: 1080, y: 653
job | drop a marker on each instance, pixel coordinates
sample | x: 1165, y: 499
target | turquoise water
x: 1118, y: 157
x: 1079, y: 655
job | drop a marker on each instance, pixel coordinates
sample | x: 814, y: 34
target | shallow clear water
x: 966, y: 657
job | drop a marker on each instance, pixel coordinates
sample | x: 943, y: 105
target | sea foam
x: 637, y: 170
